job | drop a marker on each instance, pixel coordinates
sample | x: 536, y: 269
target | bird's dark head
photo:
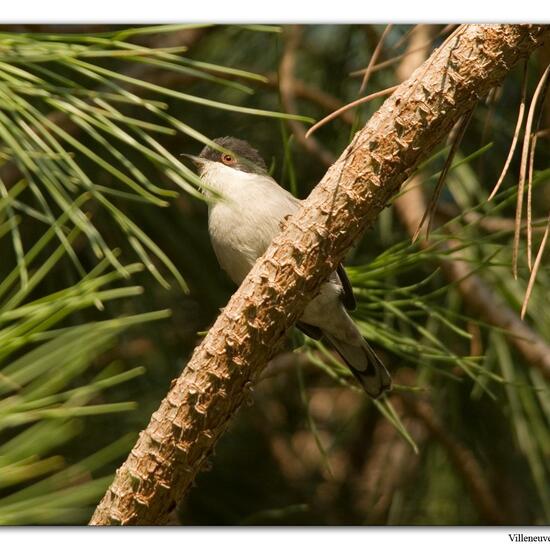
x: 234, y: 153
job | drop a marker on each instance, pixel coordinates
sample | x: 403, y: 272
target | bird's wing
x: 347, y: 297
x: 313, y: 332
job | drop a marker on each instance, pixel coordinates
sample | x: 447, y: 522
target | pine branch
x: 198, y: 408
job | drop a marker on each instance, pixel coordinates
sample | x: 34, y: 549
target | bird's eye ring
x: 228, y: 159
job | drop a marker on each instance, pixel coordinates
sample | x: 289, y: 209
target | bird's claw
x: 283, y: 224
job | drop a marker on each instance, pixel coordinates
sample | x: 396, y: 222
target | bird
x: 248, y: 209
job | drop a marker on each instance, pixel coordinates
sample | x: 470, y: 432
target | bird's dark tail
x: 365, y: 365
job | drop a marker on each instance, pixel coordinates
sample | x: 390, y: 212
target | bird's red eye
x: 228, y: 159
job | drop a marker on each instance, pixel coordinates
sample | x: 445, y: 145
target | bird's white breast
x: 243, y: 223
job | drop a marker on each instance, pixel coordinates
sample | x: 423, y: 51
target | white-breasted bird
x: 242, y: 224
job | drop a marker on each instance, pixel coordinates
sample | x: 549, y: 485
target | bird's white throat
x: 231, y: 184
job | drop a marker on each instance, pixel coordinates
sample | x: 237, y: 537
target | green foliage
x: 48, y: 383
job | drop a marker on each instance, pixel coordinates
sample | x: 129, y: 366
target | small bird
x: 243, y: 222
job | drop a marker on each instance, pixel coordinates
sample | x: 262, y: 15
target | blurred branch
x: 197, y: 410
x: 288, y: 96
x: 392, y: 460
x: 463, y: 460
x: 390, y: 463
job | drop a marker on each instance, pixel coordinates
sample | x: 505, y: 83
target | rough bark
x: 197, y: 410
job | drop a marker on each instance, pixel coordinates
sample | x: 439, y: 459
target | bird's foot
x: 283, y: 224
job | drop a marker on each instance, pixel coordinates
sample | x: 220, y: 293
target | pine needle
x: 521, y: 113
x: 461, y: 129
x: 523, y: 171
x: 373, y: 58
x: 349, y: 106
x: 535, y: 269
x: 532, y: 149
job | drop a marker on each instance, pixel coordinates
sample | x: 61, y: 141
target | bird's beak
x: 197, y: 161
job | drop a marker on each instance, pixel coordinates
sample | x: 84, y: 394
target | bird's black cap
x: 244, y: 157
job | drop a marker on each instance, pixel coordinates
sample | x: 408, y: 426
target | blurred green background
x: 108, y: 282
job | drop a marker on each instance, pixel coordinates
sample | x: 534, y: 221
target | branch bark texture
x: 197, y: 410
